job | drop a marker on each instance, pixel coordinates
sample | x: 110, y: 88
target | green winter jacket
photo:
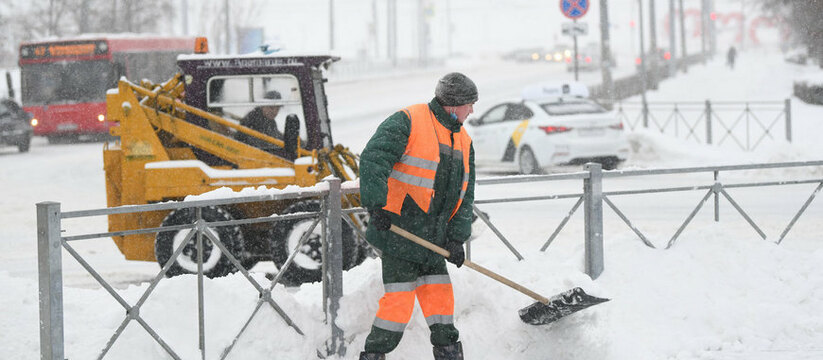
x: 383, y: 150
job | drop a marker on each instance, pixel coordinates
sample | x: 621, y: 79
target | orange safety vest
x: 414, y: 174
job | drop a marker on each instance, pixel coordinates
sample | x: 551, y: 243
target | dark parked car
x: 15, y: 129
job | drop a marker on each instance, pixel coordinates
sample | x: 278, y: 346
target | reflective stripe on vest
x: 414, y: 174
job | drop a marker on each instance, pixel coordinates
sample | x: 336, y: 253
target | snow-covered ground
x: 720, y: 293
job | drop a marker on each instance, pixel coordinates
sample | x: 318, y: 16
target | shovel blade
x: 560, y: 305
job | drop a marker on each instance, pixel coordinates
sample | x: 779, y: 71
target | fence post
x: 593, y: 218
x: 333, y: 266
x: 645, y: 113
x: 788, y: 107
x: 50, y: 273
x: 716, y: 192
x: 708, y: 122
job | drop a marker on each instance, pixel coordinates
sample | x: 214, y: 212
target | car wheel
x: 24, y: 145
x: 528, y: 162
x: 215, y: 263
x: 307, y: 264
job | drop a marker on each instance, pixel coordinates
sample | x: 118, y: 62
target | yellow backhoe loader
x: 184, y: 137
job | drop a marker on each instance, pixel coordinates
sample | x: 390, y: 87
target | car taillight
x: 588, y: 59
x: 554, y: 129
x: 618, y: 126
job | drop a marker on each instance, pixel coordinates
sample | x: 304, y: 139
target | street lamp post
x: 605, y: 52
x: 643, y: 73
x: 683, y: 53
x: 672, y: 44
x: 331, y: 25
x: 653, y: 45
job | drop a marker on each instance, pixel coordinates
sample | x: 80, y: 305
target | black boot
x: 449, y: 352
x: 372, y: 356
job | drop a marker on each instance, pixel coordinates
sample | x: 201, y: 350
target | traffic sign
x: 575, y: 28
x: 574, y: 9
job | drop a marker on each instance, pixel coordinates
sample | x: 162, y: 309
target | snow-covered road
x: 720, y: 293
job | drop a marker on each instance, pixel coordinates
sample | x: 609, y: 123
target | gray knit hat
x: 455, y: 89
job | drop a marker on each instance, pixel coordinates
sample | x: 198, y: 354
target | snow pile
x: 226, y: 192
x: 711, y: 292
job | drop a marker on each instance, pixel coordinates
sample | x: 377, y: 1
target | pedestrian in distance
x: 262, y: 119
x: 730, y: 56
x: 417, y: 172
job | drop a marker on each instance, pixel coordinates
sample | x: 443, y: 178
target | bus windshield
x: 67, y: 82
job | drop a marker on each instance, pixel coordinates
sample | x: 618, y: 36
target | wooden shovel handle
x: 445, y: 253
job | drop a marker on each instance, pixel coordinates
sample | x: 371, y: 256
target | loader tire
x: 307, y: 264
x: 215, y: 263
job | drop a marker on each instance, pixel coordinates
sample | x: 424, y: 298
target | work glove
x: 456, y: 253
x: 380, y: 218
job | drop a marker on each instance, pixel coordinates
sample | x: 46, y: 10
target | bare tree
x: 804, y: 17
x: 211, y: 15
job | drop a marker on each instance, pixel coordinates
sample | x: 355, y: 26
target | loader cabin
x: 234, y: 86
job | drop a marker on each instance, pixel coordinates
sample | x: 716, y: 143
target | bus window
x: 49, y: 83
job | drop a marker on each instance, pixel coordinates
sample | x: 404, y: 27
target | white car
x: 552, y: 124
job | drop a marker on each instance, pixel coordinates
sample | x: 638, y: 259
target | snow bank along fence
x: 744, y: 123
x: 592, y: 198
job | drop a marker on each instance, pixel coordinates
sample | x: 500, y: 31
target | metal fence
x: 51, y: 243
x: 592, y: 198
x: 744, y: 124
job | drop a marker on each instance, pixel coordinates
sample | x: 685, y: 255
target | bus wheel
x: 307, y: 264
x: 215, y: 263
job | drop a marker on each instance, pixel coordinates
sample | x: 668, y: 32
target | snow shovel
x: 544, y: 311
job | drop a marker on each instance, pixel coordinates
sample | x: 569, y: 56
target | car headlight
x: 34, y: 122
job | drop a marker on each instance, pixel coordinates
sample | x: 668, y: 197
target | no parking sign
x: 574, y: 9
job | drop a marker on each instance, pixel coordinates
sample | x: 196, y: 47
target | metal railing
x: 746, y: 124
x: 51, y: 243
x: 592, y: 199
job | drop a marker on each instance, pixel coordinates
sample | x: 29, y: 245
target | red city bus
x: 64, y: 82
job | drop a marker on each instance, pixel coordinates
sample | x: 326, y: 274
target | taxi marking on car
x: 514, y: 141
